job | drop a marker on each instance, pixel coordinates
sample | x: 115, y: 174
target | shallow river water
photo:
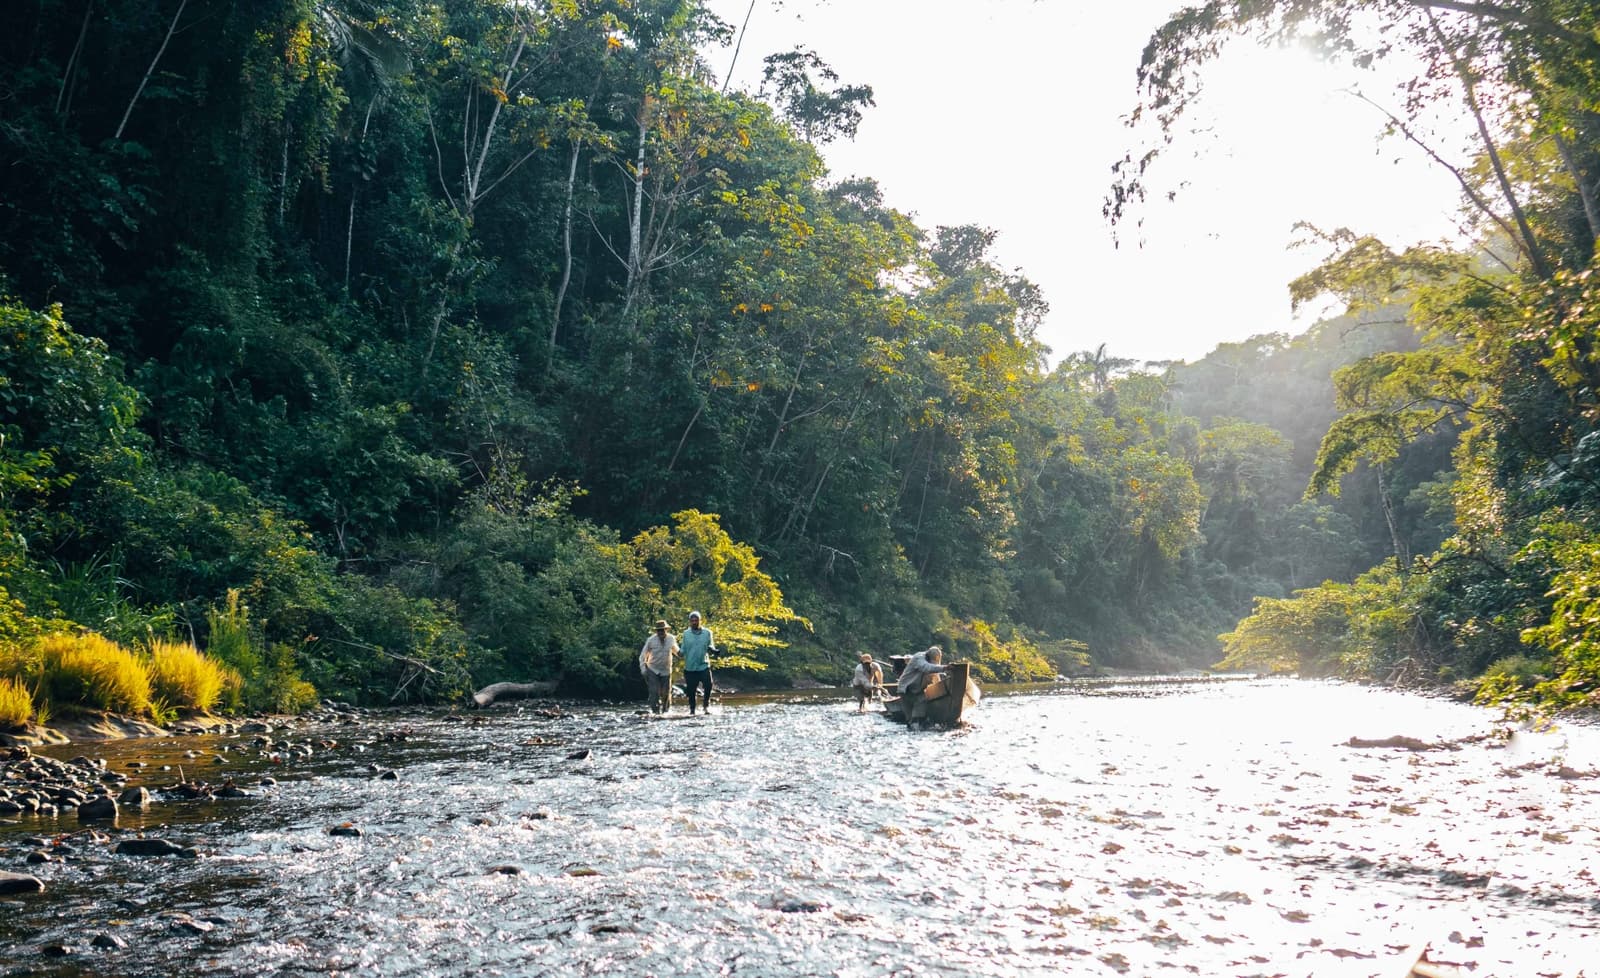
x: 1136, y: 828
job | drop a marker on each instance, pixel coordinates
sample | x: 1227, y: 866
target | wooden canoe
x: 945, y: 702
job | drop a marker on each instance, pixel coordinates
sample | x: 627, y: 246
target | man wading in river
x: 655, y: 664
x: 868, y: 679
x: 697, y: 648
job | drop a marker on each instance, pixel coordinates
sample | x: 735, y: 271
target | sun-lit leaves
x: 699, y: 567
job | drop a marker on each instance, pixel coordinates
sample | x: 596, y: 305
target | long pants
x: 660, y: 691
x: 692, y: 679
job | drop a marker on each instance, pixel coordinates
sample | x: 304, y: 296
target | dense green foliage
x: 388, y: 348
x: 1507, y: 366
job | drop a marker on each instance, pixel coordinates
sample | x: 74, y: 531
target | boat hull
x: 954, y: 693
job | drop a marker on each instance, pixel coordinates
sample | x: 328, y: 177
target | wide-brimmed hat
x: 661, y: 624
x: 866, y: 657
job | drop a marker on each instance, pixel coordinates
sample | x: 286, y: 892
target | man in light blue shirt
x: 697, y: 646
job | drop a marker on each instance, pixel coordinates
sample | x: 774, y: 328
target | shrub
x: 92, y: 671
x: 232, y: 640
x: 698, y: 565
x: 282, y: 688
x: 993, y: 658
x: 16, y: 704
x: 94, y: 594
x: 180, y: 676
x: 1572, y: 633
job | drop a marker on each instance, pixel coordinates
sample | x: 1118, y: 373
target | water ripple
x: 1132, y: 830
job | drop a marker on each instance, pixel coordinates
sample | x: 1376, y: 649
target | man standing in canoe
x: 655, y: 664
x: 697, y: 646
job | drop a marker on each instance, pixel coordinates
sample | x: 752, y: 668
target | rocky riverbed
x: 1266, y: 828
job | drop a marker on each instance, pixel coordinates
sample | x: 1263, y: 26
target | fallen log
x: 511, y: 691
x: 1408, y: 743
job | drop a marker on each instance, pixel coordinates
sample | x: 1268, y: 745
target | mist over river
x: 1138, y: 828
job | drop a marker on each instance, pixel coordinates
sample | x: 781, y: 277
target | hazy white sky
x: 1008, y: 114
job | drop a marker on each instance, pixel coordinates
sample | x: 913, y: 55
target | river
x: 1128, y: 828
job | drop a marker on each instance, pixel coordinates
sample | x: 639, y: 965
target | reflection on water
x: 1204, y: 829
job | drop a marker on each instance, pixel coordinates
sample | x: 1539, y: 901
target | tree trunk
x: 566, y: 251
x: 635, y: 239
x: 1402, y: 554
x: 69, y: 77
x: 171, y: 29
x: 1530, y: 243
x: 350, y: 227
x: 1591, y: 211
x: 511, y: 691
x: 738, y: 45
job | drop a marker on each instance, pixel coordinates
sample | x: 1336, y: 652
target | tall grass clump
x: 91, y: 671
x: 232, y: 641
x: 16, y: 704
x: 181, y: 676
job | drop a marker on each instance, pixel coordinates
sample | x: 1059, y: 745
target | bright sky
x: 1008, y: 114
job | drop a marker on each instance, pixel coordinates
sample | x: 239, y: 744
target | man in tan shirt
x: 655, y: 664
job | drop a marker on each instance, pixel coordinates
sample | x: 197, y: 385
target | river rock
x: 347, y: 829
x: 793, y: 905
x: 580, y: 755
x: 11, y: 883
x: 389, y: 775
x: 108, y: 942
x: 184, y: 922
x: 506, y: 870
x: 147, y: 847
x: 135, y: 797
x: 58, y: 950
x: 102, y: 806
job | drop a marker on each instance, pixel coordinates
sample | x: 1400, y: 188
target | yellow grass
x: 181, y: 676
x: 92, y: 671
x: 16, y: 704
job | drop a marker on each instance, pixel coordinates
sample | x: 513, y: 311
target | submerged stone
x: 11, y: 883
x: 147, y: 847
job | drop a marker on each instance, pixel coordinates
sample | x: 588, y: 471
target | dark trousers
x: 692, y: 678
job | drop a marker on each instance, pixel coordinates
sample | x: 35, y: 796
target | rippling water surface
x: 1140, y: 829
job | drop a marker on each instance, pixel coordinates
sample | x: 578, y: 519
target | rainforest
x: 380, y: 350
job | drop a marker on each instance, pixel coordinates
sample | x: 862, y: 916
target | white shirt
x: 657, y: 654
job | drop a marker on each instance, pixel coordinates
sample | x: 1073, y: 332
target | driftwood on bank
x: 511, y: 691
x: 1407, y: 743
